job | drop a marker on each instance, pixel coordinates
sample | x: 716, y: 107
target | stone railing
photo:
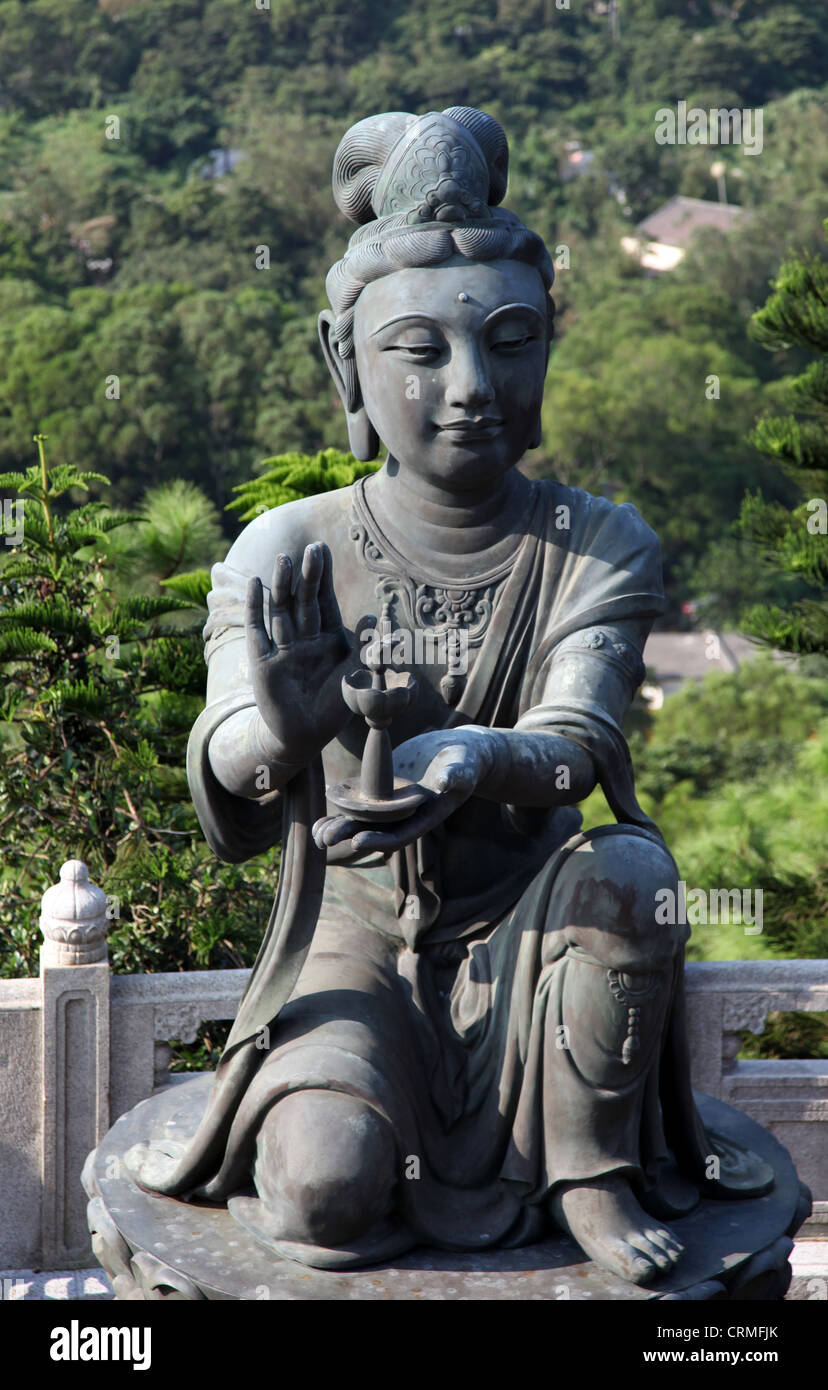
x: 80, y: 1046
x: 790, y: 1098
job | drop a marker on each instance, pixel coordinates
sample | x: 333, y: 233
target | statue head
x: 440, y: 323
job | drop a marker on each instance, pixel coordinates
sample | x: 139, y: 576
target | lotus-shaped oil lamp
x: 379, y: 695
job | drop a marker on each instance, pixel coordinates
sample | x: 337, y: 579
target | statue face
x: 451, y: 361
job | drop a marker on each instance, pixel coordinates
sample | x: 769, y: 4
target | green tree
x: 795, y: 541
x: 291, y: 476
x: 177, y: 530
x: 662, y: 426
x: 158, y: 381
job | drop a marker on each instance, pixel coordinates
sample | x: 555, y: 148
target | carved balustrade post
x: 74, y: 973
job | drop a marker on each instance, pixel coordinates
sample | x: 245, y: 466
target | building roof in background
x: 678, y: 220
x: 675, y: 657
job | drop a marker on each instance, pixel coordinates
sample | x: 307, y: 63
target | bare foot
x: 611, y: 1228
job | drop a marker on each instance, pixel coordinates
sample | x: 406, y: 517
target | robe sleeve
x: 588, y: 663
x: 610, y: 574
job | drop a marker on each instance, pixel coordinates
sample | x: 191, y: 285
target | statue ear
x: 537, y: 433
x: 362, y: 436
x: 336, y: 364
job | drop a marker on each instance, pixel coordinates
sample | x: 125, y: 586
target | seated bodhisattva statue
x: 465, y: 1027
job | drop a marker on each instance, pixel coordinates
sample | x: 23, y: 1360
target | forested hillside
x: 166, y: 224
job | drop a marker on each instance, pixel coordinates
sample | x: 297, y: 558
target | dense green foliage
x: 796, y: 542
x: 291, y: 476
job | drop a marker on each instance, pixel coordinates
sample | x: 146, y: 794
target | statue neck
x: 457, y: 534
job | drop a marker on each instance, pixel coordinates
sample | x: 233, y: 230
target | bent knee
x: 325, y: 1166
x: 612, y: 887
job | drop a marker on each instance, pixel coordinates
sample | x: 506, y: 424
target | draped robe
x: 431, y: 987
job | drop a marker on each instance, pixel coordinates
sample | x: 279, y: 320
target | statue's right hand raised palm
x: 296, y: 669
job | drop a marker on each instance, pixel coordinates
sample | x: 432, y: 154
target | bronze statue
x: 465, y: 1026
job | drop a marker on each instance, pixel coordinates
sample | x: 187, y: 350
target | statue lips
x: 468, y: 430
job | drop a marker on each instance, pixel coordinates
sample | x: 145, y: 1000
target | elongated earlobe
x: 537, y: 435
x: 362, y: 436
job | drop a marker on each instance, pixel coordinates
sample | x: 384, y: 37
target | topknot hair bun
x: 377, y: 172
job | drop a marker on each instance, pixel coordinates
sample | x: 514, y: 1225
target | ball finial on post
x: 73, y: 918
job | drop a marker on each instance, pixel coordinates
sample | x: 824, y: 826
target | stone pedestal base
x: 160, y: 1248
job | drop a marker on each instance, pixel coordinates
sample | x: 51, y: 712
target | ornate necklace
x: 422, y: 600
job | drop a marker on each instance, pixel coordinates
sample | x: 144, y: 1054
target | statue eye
x: 513, y: 344
x: 413, y: 345
x: 422, y: 348
x: 424, y: 353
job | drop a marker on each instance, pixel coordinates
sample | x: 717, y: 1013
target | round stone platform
x: 159, y: 1248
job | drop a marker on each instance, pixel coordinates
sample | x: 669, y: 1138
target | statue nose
x: 470, y: 384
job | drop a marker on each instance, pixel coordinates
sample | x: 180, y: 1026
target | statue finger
x: 332, y: 830
x: 388, y: 840
x: 328, y: 606
x: 258, y: 641
x: 306, y: 601
x: 318, y: 830
x: 455, y: 777
x: 382, y: 841
x: 449, y: 771
x: 282, y: 622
